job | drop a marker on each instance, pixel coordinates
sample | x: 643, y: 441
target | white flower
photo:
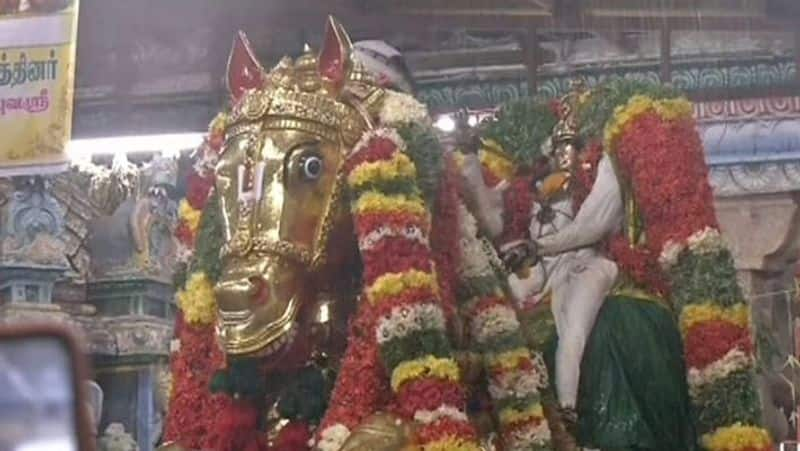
x: 524, y: 438
x: 520, y: 383
x: 734, y: 360
x: 333, y: 437
x: 183, y: 253
x: 445, y: 411
x: 383, y: 132
x: 669, y: 255
x: 494, y: 321
x: 475, y: 262
x: 399, y: 108
x: 409, y: 318
x: 411, y: 233
x: 706, y: 241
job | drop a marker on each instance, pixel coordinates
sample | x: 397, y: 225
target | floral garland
x: 516, y: 375
x: 399, y: 327
x: 198, y: 418
x: 684, y: 245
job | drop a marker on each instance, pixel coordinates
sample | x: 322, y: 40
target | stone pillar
x: 763, y: 231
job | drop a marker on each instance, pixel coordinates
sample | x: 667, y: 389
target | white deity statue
x: 576, y: 280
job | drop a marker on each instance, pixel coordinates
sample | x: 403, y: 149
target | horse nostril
x: 259, y: 290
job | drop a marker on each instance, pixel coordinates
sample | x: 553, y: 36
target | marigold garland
x: 189, y: 216
x: 738, y: 438
x: 197, y: 300
x: 377, y: 203
x: 695, y: 314
x: 648, y: 131
x: 656, y: 146
x: 428, y: 366
x: 399, y: 285
x: 666, y: 109
x: 392, y: 284
x: 495, y: 161
x: 197, y: 419
x: 514, y: 379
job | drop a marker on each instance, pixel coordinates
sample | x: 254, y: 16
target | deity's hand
x: 518, y: 253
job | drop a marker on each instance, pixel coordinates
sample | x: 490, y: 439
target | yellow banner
x: 37, y: 76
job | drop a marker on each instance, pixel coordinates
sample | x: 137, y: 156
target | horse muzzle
x: 257, y: 306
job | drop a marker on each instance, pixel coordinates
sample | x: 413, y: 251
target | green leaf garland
x: 209, y: 240
x: 705, y: 277
x: 604, y: 99
x: 425, y: 150
x: 521, y: 127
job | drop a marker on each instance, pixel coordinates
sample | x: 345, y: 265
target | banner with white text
x: 37, y: 76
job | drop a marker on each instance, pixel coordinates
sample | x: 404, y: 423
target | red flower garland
x: 709, y: 341
x: 293, y: 437
x: 361, y: 385
x: 444, y: 428
x: 428, y: 394
x: 409, y: 255
x: 192, y: 406
x: 444, y: 243
x: 517, y: 210
x: 197, y: 190
x: 587, y: 174
x: 665, y: 163
x: 184, y: 234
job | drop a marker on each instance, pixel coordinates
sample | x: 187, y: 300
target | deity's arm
x: 532, y: 284
x: 487, y: 202
x: 600, y: 215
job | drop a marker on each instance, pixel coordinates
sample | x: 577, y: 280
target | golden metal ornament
x: 280, y: 181
x: 566, y: 130
x: 171, y: 446
x: 382, y: 432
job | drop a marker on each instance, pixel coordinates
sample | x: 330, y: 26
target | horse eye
x: 312, y: 167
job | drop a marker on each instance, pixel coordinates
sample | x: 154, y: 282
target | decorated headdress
x: 566, y: 130
x: 330, y: 95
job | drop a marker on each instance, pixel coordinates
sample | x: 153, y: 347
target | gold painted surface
x: 280, y: 183
x: 381, y: 432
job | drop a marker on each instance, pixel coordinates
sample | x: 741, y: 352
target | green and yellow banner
x: 37, y: 76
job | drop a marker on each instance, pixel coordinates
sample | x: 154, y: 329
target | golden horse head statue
x: 280, y: 184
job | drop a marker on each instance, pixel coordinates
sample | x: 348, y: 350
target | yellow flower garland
x: 190, y: 215
x: 494, y: 158
x: 510, y: 415
x: 451, y: 444
x: 669, y: 109
x: 737, y: 437
x: 197, y: 300
x: 399, y: 166
x: 429, y: 365
x: 375, y: 202
x: 392, y: 284
x: 508, y: 360
x: 700, y: 313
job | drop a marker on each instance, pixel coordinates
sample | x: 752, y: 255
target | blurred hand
x: 517, y: 254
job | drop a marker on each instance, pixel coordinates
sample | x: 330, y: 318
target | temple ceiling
x: 139, y: 56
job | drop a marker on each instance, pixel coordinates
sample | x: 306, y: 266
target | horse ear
x: 244, y: 72
x: 334, y: 57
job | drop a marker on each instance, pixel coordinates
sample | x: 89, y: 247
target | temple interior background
x: 156, y: 69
